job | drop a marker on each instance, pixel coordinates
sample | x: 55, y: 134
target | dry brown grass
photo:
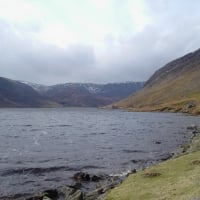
x: 170, y: 95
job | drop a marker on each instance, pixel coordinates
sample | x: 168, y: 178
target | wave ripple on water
x: 43, y: 148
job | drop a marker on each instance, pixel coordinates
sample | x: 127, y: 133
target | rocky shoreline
x: 103, y: 183
x: 76, y: 191
x: 177, y: 177
x: 185, y: 148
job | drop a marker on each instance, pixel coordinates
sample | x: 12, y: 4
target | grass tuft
x: 152, y: 174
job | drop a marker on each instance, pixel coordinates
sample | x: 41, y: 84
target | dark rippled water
x: 43, y: 148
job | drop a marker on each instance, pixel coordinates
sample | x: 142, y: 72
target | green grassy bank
x: 175, y: 179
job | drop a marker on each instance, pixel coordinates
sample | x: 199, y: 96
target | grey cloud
x: 25, y: 58
x: 174, y: 32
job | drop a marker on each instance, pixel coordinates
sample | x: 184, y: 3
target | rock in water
x: 52, y: 194
x: 96, y: 178
x: 81, y: 176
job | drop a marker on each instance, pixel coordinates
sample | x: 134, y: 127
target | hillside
x: 175, y: 88
x: 17, y: 94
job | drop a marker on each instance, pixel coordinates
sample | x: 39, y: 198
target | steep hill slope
x: 17, y: 94
x: 175, y: 87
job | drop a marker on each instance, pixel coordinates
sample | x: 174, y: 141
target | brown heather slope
x: 173, y: 88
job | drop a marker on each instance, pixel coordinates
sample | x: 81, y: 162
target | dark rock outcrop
x: 85, y: 177
x: 75, y: 192
x: 81, y: 176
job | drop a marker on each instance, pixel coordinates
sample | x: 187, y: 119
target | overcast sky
x: 58, y: 41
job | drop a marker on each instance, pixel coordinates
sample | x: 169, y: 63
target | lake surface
x: 43, y: 148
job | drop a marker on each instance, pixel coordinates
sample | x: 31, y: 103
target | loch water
x: 44, y: 148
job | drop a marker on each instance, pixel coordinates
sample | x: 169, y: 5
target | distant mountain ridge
x: 17, y: 94
x: 174, y: 87
x: 24, y: 94
x: 88, y: 94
